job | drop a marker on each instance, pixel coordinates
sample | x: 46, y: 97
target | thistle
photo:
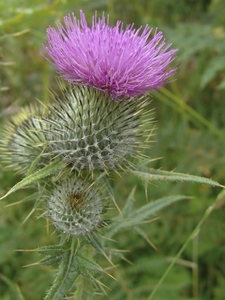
x: 23, y: 139
x: 98, y: 125
x: 123, y: 62
x: 89, y: 131
x: 75, y: 205
x: 84, y: 129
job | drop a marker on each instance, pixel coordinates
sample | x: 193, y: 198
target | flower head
x: 23, y: 139
x: 75, y: 205
x: 123, y: 62
x: 89, y: 131
x: 84, y: 128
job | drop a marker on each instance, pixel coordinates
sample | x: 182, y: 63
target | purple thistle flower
x: 125, y: 63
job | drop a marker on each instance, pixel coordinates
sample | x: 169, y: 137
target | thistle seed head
x: 75, y: 205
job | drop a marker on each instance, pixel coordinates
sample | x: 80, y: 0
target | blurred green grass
x: 190, y: 139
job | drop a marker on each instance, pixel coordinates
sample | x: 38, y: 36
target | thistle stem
x: 67, y: 273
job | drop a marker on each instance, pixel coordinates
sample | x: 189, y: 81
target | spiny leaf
x: 145, y: 236
x: 142, y: 214
x: 51, y: 250
x: 152, y: 174
x: 87, y: 263
x: 38, y: 175
x: 129, y: 204
x: 50, y: 260
x: 93, y: 238
x: 68, y: 272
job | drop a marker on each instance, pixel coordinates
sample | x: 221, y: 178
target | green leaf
x: 87, y: 263
x: 151, y: 208
x: 53, y: 250
x: 53, y: 254
x: 94, y: 240
x: 38, y: 175
x: 145, y: 236
x: 152, y: 174
x: 215, y: 65
x: 128, y: 207
x: 68, y: 272
x: 50, y: 260
x: 142, y: 214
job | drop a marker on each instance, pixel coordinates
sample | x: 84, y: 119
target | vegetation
x: 189, y: 138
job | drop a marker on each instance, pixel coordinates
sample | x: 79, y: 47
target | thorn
x: 32, y: 211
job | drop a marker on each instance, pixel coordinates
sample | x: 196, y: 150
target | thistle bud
x: 75, y: 205
x: 90, y: 131
x: 23, y: 139
x: 85, y: 129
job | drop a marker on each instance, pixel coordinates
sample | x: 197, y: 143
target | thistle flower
x: 89, y: 131
x: 75, y: 205
x: 123, y: 62
x: 23, y: 139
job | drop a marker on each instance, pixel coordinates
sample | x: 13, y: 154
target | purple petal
x: 124, y: 62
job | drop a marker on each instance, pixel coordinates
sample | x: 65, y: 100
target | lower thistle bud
x: 75, y: 205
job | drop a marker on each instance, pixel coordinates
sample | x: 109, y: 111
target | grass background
x: 190, y: 138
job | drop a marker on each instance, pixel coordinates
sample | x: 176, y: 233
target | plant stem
x: 67, y: 273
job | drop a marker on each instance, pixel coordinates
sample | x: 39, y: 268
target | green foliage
x: 205, y: 43
x: 68, y: 271
x: 184, y: 141
x: 52, y: 168
x: 129, y: 218
x: 150, y: 175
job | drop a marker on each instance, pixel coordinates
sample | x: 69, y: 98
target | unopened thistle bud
x: 85, y: 129
x: 23, y: 139
x: 90, y: 131
x: 75, y: 205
